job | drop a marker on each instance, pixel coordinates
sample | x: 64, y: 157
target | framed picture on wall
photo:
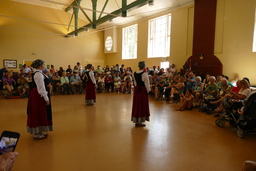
x: 10, y: 63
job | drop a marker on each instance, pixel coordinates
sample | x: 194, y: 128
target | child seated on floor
x: 186, y: 100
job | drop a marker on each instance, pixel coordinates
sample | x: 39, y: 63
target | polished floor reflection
x: 102, y: 138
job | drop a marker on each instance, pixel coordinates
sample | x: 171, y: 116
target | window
x: 164, y: 65
x: 254, y: 35
x: 159, y: 36
x: 129, y: 50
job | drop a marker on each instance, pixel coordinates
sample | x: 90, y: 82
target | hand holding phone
x: 7, y: 160
x: 8, y: 141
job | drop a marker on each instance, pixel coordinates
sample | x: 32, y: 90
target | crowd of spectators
x: 169, y: 84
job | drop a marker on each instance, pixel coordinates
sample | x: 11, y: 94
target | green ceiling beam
x: 79, y: 6
x: 124, y: 4
x: 70, y: 21
x: 114, y: 14
x: 94, y: 15
x: 103, y: 8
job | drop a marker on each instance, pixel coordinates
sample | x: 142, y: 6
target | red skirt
x: 140, y: 107
x: 90, y: 93
x: 39, y: 115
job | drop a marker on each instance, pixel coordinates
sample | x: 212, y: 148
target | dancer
x: 39, y: 103
x: 90, y: 95
x: 140, y: 107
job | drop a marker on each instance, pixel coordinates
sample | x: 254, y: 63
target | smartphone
x: 8, y: 141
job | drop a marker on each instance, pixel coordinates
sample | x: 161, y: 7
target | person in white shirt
x: 39, y: 109
x: 64, y: 81
x: 25, y: 69
x: 76, y: 83
x: 80, y: 69
x: 140, y: 106
x: 90, y: 95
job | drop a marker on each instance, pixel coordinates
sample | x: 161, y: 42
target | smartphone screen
x: 8, y: 141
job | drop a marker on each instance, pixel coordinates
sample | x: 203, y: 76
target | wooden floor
x: 102, y: 138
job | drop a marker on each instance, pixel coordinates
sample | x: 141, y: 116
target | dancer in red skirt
x: 39, y: 104
x: 140, y: 107
x: 90, y: 94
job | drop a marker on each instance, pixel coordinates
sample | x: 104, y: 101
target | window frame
x: 153, y: 41
x: 126, y: 45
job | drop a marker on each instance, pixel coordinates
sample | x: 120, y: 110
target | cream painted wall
x: 181, y: 41
x: 20, y: 38
x: 233, y: 39
x: 234, y: 36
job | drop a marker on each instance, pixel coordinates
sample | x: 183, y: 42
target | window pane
x: 254, y: 34
x: 159, y: 36
x: 129, y: 50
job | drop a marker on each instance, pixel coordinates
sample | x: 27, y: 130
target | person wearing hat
x: 140, y: 106
x: 90, y: 95
x: 39, y: 103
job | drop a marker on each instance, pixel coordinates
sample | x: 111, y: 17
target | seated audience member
x: 224, y: 89
x: 109, y: 82
x: 232, y: 97
x: 117, y: 82
x: 168, y: 88
x: 177, y: 88
x: 65, y: 83
x: 161, y: 72
x: 84, y: 71
x: 198, y: 88
x: 116, y: 68
x: 76, y: 83
x: 112, y: 71
x: 233, y: 82
x: 127, y: 83
x: 50, y: 81
x: 155, y: 70
x: 186, y: 100
x: 155, y: 79
x: 173, y: 69
x: 206, y: 80
x: 159, y: 87
x: 9, y: 83
x: 29, y: 78
x: 211, y: 89
x: 99, y: 70
x: 100, y: 83
x: 69, y: 70
x: 24, y: 69
x: 23, y: 84
x: 122, y: 69
x: 227, y: 78
x: 249, y: 166
x: 191, y: 80
x: 75, y: 69
x: 15, y: 76
x: 2, y: 76
x: 60, y: 71
x: 218, y: 80
x: 52, y: 70
x: 56, y: 81
x: 80, y: 69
